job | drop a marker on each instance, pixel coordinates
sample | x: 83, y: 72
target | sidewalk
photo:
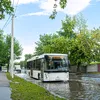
x: 5, y: 91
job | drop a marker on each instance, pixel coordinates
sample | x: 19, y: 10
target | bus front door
x: 42, y: 71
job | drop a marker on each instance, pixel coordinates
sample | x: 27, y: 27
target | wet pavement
x: 78, y: 88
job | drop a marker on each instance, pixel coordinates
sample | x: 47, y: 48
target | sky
x: 32, y: 19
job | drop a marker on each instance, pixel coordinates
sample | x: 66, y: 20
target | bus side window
x: 38, y: 64
x: 33, y: 64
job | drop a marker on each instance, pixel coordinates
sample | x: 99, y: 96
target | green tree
x: 44, y: 40
x: 95, y: 35
x: 59, y: 45
x: 81, y: 50
x: 7, y: 50
x: 24, y: 63
x: 81, y: 24
x: 5, y: 8
x: 28, y: 56
x: 2, y: 48
x: 68, y: 27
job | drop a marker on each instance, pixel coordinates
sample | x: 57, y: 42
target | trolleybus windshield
x: 57, y: 63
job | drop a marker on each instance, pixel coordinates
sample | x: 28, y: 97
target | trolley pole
x: 12, y: 46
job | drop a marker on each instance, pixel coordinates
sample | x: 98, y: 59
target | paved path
x: 5, y: 91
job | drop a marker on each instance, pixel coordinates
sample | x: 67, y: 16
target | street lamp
x: 12, y: 46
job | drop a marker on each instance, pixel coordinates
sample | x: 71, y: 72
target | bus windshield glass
x: 57, y: 63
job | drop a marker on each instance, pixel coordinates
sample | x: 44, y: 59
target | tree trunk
x: 8, y: 67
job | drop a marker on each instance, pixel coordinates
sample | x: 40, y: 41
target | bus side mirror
x: 46, y: 57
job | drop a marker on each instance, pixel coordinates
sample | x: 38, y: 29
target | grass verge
x: 24, y: 90
x: 93, y: 72
x: 94, y: 63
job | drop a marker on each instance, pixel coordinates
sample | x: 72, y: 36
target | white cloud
x: 47, y: 5
x: 36, y: 14
x: 24, y: 1
x: 73, y: 6
x: 76, y: 6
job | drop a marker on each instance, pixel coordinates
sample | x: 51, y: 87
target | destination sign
x: 57, y: 57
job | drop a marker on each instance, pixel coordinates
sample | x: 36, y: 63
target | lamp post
x: 12, y: 46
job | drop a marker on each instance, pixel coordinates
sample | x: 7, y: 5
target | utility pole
x: 12, y: 46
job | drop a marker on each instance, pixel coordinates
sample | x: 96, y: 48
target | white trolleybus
x: 49, y: 67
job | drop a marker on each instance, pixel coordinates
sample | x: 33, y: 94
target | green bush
x: 95, y: 63
x: 24, y: 90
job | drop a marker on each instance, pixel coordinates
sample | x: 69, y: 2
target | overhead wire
x: 16, y: 6
x: 8, y: 20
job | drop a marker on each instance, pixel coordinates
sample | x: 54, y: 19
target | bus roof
x: 49, y: 54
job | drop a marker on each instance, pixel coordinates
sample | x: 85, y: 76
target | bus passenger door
x: 31, y: 69
x: 42, y: 69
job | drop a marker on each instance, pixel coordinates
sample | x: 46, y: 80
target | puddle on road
x: 83, y: 89
x: 74, y: 90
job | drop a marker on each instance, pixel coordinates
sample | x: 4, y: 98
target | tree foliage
x: 81, y: 49
x: 24, y: 62
x: 95, y: 35
x: 2, y: 47
x: 68, y: 27
x: 5, y: 8
x: 5, y: 51
x: 17, y: 49
x: 81, y: 24
x: 44, y: 40
x: 62, y: 4
x: 28, y: 56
